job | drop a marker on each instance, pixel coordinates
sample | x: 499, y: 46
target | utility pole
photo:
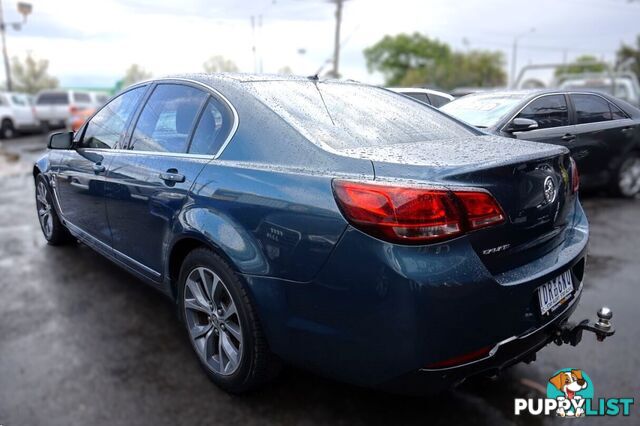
x: 514, y: 56
x: 24, y: 9
x: 336, y: 43
x: 253, y: 33
x: 5, y: 55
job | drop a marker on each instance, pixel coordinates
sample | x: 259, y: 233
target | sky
x: 91, y: 43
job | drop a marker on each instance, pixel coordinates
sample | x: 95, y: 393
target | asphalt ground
x: 84, y: 343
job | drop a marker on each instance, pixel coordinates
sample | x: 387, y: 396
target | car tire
x: 223, y: 324
x: 52, y: 228
x: 7, y: 129
x: 626, y: 179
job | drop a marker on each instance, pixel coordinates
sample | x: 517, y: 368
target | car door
x: 149, y: 183
x: 80, y: 177
x: 602, y: 132
x: 551, y: 112
x: 22, y: 111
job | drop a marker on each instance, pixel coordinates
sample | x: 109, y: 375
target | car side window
x: 167, y: 119
x: 107, y: 126
x: 213, y: 128
x: 591, y: 109
x: 19, y: 100
x: 419, y: 96
x: 438, y: 101
x: 548, y: 111
x: 617, y: 113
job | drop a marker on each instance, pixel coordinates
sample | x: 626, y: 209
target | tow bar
x: 572, y: 333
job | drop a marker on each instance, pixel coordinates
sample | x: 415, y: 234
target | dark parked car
x: 602, y: 132
x: 332, y: 225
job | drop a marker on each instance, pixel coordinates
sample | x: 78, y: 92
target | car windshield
x: 342, y: 116
x: 484, y: 110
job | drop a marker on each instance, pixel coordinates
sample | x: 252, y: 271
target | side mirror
x: 522, y: 125
x: 62, y: 140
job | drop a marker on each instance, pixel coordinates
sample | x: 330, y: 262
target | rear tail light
x: 73, y: 109
x: 575, y: 176
x: 414, y: 215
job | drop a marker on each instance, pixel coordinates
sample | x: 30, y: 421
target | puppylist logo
x: 570, y: 394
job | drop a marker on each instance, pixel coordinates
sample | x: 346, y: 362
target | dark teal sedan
x: 331, y: 225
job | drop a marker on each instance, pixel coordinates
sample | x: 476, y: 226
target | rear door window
x: 617, y: 113
x: 437, y: 100
x: 591, y: 109
x: 168, y: 118
x: 548, y: 111
x: 213, y: 128
x: 107, y: 126
x: 54, y: 98
x: 419, y: 96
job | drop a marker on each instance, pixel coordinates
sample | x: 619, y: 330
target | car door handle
x: 627, y: 129
x: 172, y: 175
x: 568, y: 137
x: 99, y: 168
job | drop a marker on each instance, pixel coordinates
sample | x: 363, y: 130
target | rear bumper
x: 504, y: 354
x: 377, y: 314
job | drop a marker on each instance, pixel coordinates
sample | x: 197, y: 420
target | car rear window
x: 81, y: 97
x: 342, y: 116
x: 54, y: 98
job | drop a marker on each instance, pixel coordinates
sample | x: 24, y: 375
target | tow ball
x: 571, y: 332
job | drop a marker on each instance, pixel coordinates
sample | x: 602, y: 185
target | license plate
x: 553, y: 293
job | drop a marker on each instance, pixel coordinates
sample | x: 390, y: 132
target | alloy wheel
x: 44, y: 209
x: 629, y: 182
x: 213, y: 321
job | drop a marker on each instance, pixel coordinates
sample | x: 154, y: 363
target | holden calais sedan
x: 331, y: 225
x: 602, y: 132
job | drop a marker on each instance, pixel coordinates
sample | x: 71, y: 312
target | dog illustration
x: 569, y: 382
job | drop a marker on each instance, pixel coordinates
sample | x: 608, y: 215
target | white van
x: 55, y: 108
x: 16, y: 114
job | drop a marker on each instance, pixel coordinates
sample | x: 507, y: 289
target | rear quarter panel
x: 267, y: 220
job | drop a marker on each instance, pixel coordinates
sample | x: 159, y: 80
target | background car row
x: 23, y: 113
x: 601, y: 131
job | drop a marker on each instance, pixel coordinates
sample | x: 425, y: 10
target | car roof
x: 214, y: 80
x: 530, y: 93
x: 420, y: 90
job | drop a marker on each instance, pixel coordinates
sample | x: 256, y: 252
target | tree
x: 582, y: 64
x: 134, y: 74
x: 32, y: 75
x: 395, y: 56
x: 219, y: 64
x: 415, y: 59
x: 631, y: 54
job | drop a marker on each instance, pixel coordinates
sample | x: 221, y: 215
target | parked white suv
x: 55, y: 108
x: 16, y: 114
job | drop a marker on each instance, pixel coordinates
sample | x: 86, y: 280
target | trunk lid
x: 531, y: 182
